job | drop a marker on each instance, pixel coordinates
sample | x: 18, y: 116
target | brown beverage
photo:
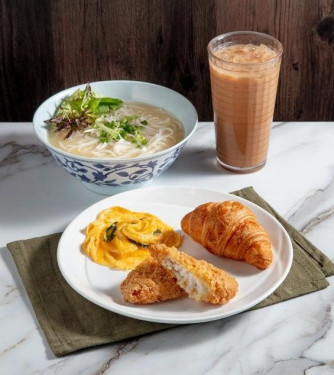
x: 244, y: 71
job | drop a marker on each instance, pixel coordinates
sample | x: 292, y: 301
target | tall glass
x: 244, y: 71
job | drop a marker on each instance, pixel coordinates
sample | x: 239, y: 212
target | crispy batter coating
x: 201, y: 280
x: 150, y: 282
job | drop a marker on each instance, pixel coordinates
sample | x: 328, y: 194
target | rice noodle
x: 162, y: 131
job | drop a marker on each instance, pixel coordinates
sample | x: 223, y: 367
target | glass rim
x: 255, y: 33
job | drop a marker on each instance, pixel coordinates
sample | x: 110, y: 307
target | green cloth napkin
x: 70, y: 322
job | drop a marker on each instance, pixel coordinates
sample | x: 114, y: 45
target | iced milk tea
x: 244, y: 74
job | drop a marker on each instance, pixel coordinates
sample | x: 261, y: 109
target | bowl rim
x: 111, y: 159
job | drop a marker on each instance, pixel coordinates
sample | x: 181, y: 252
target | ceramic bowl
x: 113, y: 175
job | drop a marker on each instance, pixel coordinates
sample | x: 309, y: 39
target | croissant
x: 231, y: 230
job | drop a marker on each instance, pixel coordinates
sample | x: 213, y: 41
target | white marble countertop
x: 293, y: 337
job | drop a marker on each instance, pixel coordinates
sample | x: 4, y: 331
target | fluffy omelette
x: 119, y: 238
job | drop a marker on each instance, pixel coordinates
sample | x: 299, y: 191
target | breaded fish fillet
x: 201, y: 280
x: 150, y: 282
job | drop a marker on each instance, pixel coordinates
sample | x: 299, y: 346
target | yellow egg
x: 119, y: 238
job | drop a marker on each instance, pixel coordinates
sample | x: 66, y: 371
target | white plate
x: 100, y: 284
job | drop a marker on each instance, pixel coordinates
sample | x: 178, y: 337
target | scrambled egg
x: 119, y: 238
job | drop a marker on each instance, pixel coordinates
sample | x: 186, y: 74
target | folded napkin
x: 70, y: 322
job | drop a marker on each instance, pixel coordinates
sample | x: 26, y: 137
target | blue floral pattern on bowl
x: 117, y: 174
x: 110, y: 176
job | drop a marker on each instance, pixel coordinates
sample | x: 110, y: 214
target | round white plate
x: 101, y: 285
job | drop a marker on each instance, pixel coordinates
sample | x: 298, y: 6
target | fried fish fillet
x: 201, y: 280
x: 150, y: 282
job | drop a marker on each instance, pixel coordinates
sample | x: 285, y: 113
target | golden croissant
x: 231, y: 230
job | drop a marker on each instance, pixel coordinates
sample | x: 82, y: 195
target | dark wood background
x: 48, y: 45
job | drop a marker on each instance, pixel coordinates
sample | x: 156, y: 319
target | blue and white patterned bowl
x: 111, y: 175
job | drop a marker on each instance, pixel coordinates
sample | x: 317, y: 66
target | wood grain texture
x: 49, y: 45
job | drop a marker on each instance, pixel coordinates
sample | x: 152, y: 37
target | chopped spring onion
x: 85, y: 109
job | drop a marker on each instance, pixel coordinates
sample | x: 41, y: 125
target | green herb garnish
x: 115, y: 130
x: 80, y: 110
x: 138, y: 243
x: 158, y: 231
x: 104, y: 105
x: 104, y: 137
x: 72, y: 121
x: 111, y: 232
x: 85, y: 109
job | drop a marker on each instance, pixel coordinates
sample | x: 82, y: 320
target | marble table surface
x: 38, y: 197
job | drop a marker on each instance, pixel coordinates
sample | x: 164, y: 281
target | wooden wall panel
x: 48, y: 45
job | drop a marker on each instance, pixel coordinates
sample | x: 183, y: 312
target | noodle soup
x: 92, y: 112
x: 160, y: 129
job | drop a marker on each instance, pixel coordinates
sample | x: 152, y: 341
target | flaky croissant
x: 229, y: 229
